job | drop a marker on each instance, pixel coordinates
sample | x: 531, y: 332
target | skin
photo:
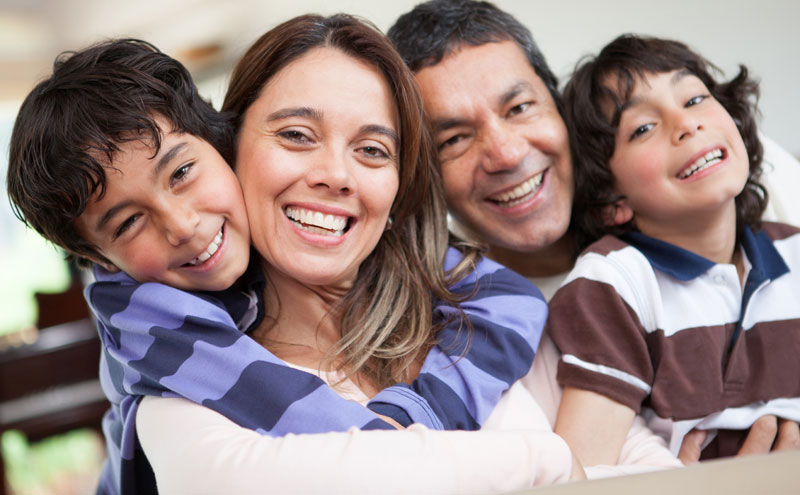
x: 496, y: 127
x: 310, y: 142
x: 671, y: 120
x: 159, y: 213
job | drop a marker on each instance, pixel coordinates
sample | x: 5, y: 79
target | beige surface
x: 774, y: 474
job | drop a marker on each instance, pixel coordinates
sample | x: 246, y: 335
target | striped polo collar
x: 685, y: 265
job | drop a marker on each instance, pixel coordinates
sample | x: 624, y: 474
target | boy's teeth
x: 210, y: 250
x: 703, y: 162
x: 515, y: 196
x: 317, y: 222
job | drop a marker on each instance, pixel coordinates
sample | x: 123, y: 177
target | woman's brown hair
x: 387, y: 317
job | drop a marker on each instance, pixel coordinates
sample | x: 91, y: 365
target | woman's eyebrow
x: 284, y: 113
x: 381, y: 129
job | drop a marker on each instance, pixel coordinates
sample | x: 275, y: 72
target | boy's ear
x: 109, y: 267
x: 617, y: 213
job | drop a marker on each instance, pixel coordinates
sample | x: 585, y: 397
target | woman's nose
x: 332, y: 170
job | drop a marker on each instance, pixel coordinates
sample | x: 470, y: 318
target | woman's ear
x: 617, y: 213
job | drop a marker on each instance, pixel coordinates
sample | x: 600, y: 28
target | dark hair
x: 432, y: 30
x: 71, y: 124
x: 387, y: 315
x: 625, y: 61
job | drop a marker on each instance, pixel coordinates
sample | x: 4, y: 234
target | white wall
x: 764, y: 35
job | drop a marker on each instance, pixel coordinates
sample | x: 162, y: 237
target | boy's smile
x: 176, y: 217
x: 679, y: 158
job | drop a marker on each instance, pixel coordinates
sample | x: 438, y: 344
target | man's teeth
x: 703, y: 162
x: 317, y: 222
x: 210, y: 250
x: 519, y: 193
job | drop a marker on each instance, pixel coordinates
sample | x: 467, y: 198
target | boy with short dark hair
x: 687, y: 304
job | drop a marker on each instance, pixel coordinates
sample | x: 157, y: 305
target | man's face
x: 502, y: 147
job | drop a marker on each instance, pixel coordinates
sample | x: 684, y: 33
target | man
x: 494, y: 111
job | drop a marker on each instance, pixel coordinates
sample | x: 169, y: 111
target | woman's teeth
x: 520, y: 193
x: 317, y: 222
x: 210, y: 250
x: 703, y: 162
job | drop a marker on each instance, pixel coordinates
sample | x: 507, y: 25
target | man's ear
x: 617, y: 213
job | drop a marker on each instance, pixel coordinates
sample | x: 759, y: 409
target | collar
x: 685, y: 265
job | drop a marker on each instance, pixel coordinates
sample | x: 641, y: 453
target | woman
x: 346, y: 212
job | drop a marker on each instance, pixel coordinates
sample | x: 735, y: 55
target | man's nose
x: 504, y: 148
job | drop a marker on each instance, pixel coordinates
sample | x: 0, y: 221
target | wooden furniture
x: 51, y: 386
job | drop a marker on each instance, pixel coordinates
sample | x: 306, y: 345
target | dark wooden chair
x: 51, y: 386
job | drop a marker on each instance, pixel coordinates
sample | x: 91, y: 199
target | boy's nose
x: 686, y: 126
x: 180, y: 225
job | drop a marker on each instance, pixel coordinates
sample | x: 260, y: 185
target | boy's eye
x: 127, y: 224
x: 181, y: 173
x: 639, y: 131
x: 694, y: 101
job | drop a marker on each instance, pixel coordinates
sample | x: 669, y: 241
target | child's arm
x: 605, y: 367
x: 166, y: 342
x: 594, y: 426
x: 465, y: 374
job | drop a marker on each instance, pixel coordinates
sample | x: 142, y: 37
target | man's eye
x: 127, y: 224
x: 639, y: 131
x: 451, y: 141
x: 518, y: 109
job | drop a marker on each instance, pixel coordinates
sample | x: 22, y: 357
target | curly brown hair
x: 587, y: 98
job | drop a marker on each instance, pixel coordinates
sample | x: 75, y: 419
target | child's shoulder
x: 605, y: 246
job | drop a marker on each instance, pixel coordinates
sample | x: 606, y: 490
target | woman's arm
x: 195, y: 450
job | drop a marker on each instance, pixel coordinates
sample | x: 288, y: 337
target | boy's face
x: 678, y: 156
x: 177, y: 218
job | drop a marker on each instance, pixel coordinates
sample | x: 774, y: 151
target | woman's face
x: 318, y: 161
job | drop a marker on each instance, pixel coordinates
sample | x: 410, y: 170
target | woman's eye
x: 294, y: 136
x: 694, y: 101
x: 181, y: 173
x: 374, y: 151
x: 639, y: 131
x: 126, y: 225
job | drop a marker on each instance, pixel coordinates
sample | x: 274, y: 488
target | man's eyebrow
x: 513, y: 92
x: 168, y: 157
x: 381, y: 129
x: 284, y: 113
x: 439, y: 125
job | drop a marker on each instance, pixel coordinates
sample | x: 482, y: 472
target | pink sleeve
x: 193, y: 449
x: 643, y: 450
